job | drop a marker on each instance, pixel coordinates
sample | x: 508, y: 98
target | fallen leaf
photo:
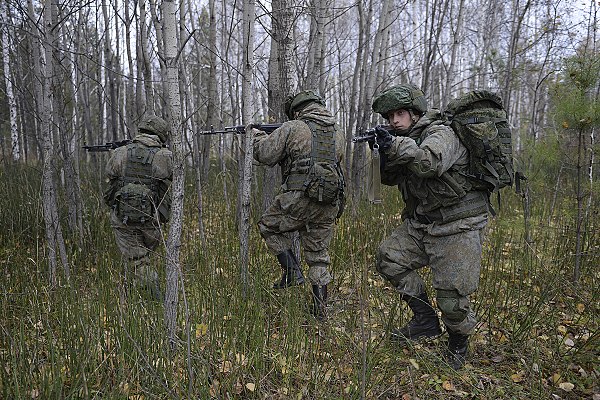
x: 569, y: 342
x: 225, y: 366
x: 556, y: 378
x: 566, y: 386
x: 448, y: 386
x: 406, y: 396
x: 250, y: 386
x: 562, y: 329
x: 414, y: 363
x: 498, y: 359
x: 518, y: 377
x: 581, y: 308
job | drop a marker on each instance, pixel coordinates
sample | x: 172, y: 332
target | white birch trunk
x: 248, y: 60
x: 173, y: 269
x: 12, y: 104
x: 43, y: 69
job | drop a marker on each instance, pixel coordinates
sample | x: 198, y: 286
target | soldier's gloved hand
x: 371, y: 142
x: 251, y: 129
x: 384, y: 138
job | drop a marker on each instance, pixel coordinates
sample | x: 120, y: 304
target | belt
x: 432, y: 217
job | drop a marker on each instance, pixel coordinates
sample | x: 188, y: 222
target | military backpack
x: 136, y: 200
x: 480, y: 121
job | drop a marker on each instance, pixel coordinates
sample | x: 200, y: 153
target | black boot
x: 319, y: 293
x: 292, y: 274
x: 458, y: 346
x: 424, y: 322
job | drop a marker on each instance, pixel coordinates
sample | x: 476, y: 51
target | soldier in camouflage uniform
x: 311, y: 130
x: 139, y: 177
x: 443, y: 219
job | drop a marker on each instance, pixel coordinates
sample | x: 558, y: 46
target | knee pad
x: 448, y: 302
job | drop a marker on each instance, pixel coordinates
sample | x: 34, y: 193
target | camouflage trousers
x: 137, y: 245
x: 454, y: 260
x: 294, y: 212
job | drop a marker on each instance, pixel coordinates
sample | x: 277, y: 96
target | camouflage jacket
x: 293, y: 139
x: 162, y: 167
x: 429, y: 166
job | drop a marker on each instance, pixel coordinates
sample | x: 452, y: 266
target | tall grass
x: 99, y: 338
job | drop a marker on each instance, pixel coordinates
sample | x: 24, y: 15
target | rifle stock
x: 95, y: 148
x: 240, y: 129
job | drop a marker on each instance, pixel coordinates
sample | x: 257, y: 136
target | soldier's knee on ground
x: 449, y: 303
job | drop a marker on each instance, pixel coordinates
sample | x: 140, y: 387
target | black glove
x: 384, y: 138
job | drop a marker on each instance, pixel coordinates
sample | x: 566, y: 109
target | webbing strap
x: 479, y: 120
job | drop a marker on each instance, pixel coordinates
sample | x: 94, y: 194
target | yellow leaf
x: 565, y: 125
x: 225, y: 366
x: 566, y: 386
x: 414, y: 363
x: 555, y: 378
x: 201, y: 330
x: 562, y: 329
x: 518, y: 377
x: 448, y: 386
x: 581, y: 308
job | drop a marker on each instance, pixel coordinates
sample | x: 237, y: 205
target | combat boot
x: 292, y: 274
x: 458, y: 346
x: 319, y: 294
x: 424, y: 322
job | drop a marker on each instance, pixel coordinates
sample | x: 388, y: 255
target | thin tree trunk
x: 248, y: 60
x: 43, y: 70
x: 12, y: 104
x: 173, y: 269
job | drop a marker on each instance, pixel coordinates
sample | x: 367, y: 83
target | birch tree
x: 43, y: 71
x: 169, y: 26
x: 248, y: 60
x: 280, y: 80
x: 12, y: 104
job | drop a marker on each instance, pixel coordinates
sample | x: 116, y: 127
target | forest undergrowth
x: 96, y: 337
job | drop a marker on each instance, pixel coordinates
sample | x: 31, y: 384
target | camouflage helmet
x: 155, y: 126
x: 406, y: 96
x: 300, y: 100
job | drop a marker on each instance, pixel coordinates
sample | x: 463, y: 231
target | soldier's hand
x: 384, y: 138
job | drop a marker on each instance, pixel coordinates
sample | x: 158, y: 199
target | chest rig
x: 322, y: 151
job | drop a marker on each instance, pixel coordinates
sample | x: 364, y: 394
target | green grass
x: 94, y: 338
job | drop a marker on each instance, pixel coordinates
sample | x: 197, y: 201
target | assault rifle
x: 240, y: 129
x: 371, y: 134
x: 107, y: 146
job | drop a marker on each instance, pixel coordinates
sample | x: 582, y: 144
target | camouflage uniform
x: 443, y: 220
x: 291, y: 210
x: 138, y: 241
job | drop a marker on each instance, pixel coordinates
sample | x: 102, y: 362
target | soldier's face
x: 400, y: 120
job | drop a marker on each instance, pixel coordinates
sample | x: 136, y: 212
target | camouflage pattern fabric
x: 291, y: 210
x: 454, y: 260
x: 137, y: 243
x: 443, y: 219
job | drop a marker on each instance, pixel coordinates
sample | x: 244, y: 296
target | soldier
x: 309, y: 150
x: 139, y: 177
x: 442, y: 222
